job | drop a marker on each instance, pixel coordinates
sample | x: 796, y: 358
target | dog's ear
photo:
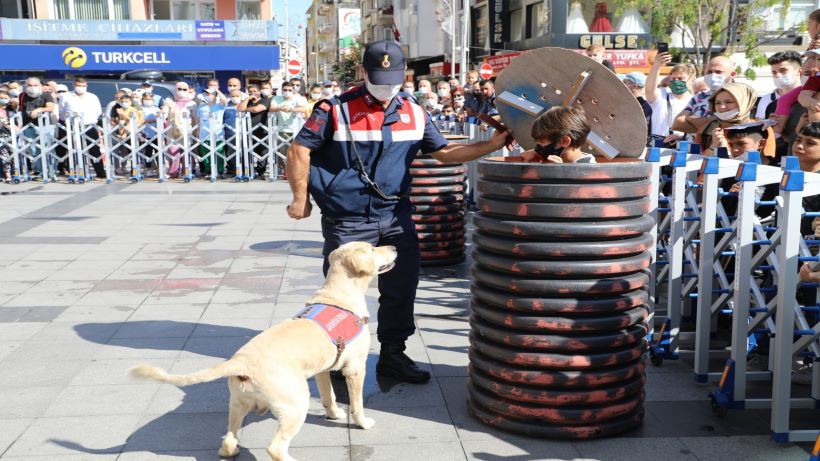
x: 359, y: 262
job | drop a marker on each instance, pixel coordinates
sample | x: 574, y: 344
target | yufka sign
x: 115, y: 58
x: 110, y: 31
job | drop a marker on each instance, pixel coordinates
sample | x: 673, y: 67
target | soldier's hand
x: 499, y: 138
x: 299, y: 209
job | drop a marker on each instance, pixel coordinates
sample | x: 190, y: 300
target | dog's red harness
x: 340, y: 324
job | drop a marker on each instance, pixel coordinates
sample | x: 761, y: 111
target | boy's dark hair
x: 737, y: 134
x: 562, y: 121
x: 782, y: 56
x: 287, y: 84
x: 812, y: 129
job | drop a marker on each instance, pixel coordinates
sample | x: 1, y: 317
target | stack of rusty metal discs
x: 437, y: 195
x: 559, y: 297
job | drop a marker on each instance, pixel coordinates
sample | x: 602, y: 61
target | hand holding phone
x: 663, y: 47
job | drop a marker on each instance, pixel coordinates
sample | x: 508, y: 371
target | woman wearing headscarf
x: 731, y: 105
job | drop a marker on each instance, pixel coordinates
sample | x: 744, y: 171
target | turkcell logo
x: 76, y: 58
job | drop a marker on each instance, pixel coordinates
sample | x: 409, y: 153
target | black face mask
x: 546, y: 151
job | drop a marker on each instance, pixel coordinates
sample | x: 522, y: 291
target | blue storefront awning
x: 80, y: 58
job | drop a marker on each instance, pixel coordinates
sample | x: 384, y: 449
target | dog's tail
x: 231, y: 367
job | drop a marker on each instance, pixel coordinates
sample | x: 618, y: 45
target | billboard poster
x: 350, y: 27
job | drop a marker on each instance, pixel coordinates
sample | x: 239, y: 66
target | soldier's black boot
x: 394, y: 363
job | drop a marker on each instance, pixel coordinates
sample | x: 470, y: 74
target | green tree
x: 346, y: 70
x: 730, y: 26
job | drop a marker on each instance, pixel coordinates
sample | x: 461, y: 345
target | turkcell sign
x: 79, y: 58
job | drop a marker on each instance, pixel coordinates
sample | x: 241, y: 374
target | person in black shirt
x: 257, y: 104
x: 636, y: 82
x: 33, y: 103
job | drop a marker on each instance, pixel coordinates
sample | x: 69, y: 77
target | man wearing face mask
x: 696, y: 115
x: 785, y: 67
x: 352, y: 156
x: 327, y: 89
x: 289, y: 110
x: 148, y: 87
x: 33, y: 103
x: 258, y: 104
x: 87, y: 106
x: 235, y: 97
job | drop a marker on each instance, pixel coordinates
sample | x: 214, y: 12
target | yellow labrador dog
x: 271, y: 370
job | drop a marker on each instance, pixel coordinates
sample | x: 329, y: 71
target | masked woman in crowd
x: 730, y: 106
x: 5, y: 135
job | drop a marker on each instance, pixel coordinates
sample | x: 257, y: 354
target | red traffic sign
x: 486, y: 71
x: 294, y: 67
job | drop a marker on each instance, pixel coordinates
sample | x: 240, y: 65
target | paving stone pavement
x: 96, y: 278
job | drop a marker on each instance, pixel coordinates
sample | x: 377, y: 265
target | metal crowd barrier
x: 736, y: 263
x: 175, y: 149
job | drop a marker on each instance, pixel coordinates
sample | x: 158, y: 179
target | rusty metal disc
x: 427, y: 162
x: 612, y: 111
x: 601, y: 250
x: 554, y: 323
x: 571, y: 417
x: 511, y: 169
x: 558, y: 229
x: 560, y: 341
x: 454, y: 226
x: 584, y: 400
x: 438, y: 218
x: 539, y: 429
x: 550, y: 360
x: 572, y: 379
x: 438, y: 171
x: 552, y: 267
x: 565, y: 210
x: 436, y: 190
x: 437, y: 209
x: 437, y: 180
x: 594, y: 305
x: 531, y: 191
x: 442, y: 244
x: 442, y: 254
x: 562, y: 286
x: 437, y: 199
x: 437, y: 236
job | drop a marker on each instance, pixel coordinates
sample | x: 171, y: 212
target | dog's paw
x: 365, y: 422
x: 334, y: 412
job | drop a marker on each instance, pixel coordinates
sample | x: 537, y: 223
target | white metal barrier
x: 743, y: 263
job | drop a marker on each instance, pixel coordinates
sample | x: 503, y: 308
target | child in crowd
x: 808, y: 97
x: 559, y: 134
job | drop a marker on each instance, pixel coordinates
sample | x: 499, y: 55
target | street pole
x: 453, y: 24
x: 466, y: 30
x: 287, y: 33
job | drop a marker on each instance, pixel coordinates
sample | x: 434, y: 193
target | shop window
x: 184, y: 9
x: 10, y: 9
x: 248, y: 10
x: 593, y: 16
x: 92, y: 9
x: 537, y: 20
x: 798, y: 11
x: 516, y: 28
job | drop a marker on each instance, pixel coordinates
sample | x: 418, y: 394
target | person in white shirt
x: 667, y: 102
x: 86, y: 106
x: 289, y: 109
x: 786, y: 69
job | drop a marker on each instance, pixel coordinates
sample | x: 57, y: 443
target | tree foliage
x: 711, y: 26
x: 346, y: 70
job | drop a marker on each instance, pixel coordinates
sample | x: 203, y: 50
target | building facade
x: 332, y: 27
x: 115, y: 37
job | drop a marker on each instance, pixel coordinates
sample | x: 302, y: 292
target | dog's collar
x: 342, y: 325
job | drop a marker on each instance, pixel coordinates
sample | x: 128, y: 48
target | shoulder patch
x: 325, y: 106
